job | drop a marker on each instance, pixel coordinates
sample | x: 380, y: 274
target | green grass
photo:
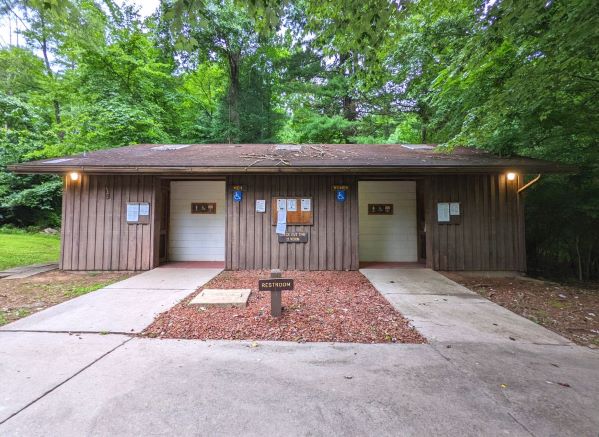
x: 81, y: 290
x: 18, y: 249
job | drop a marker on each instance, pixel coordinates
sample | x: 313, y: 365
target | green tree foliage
x: 511, y: 77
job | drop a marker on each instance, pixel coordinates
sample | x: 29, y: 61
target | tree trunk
x: 423, y: 114
x: 233, y: 98
x: 588, y: 261
x: 50, y: 73
x: 348, y: 103
x: 579, y: 258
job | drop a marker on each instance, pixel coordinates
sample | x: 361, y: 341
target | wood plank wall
x: 95, y: 233
x: 251, y: 241
x: 491, y: 233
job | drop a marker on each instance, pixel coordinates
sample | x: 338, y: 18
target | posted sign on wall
x: 138, y: 213
x: 449, y: 213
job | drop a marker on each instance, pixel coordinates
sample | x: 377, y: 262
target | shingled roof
x: 262, y: 158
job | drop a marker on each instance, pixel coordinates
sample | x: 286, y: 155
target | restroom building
x: 292, y: 207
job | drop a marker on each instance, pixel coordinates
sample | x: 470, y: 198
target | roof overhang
x: 175, y: 170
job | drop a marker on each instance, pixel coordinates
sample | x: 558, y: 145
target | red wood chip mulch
x: 325, y: 306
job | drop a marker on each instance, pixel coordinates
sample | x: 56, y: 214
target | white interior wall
x: 196, y: 237
x: 388, y: 238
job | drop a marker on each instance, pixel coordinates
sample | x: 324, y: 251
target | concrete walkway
x: 445, y: 311
x: 124, y: 307
x: 459, y: 384
x: 545, y: 382
x: 23, y: 272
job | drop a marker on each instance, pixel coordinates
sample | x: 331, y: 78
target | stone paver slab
x: 222, y: 297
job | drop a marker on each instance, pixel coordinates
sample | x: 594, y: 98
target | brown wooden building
x: 303, y: 207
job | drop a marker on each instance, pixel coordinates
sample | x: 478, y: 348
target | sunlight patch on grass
x: 24, y: 249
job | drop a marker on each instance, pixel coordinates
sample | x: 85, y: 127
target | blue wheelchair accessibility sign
x: 237, y: 195
x: 340, y: 194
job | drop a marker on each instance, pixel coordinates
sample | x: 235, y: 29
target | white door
x: 196, y: 236
x: 388, y: 237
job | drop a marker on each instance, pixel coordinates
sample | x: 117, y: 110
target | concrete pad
x: 106, y: 310
x: 222, y: 298
x: 32, y: 364
x: 27, y: 271
x: 414, y: 281
x: 21, y: 269
x: 532, y: 375
x: 118, y: 308
x: 445, y: 311
x: 168, y: 279
x: 170, y: 387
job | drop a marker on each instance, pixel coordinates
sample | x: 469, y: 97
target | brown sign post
x: 275, y: 285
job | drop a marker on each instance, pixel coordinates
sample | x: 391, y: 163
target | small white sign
x: 443, y: 212
x: 306, y: 204
x: 282, y: 204
x: 144, y: 209
x: 132, y: 212
x: 291, y: 204
x: 260, y: 205
x: 281, y: 216
x: 454, y: 208
x: 281, y: 228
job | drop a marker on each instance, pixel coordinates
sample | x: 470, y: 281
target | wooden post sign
x: 275, y: 285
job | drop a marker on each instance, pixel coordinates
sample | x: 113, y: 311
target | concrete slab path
x: 546, y: 382
x: 443, y: 310
x: 124, y: 307
x: 23, y: 272
x: 32, y: 364
x: 462, y: 383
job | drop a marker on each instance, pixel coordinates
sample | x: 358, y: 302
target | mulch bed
x: 325, y: 306
x: 569, y: 310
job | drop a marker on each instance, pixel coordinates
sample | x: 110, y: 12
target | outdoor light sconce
x: 511, y: 176
x: 74, y: 176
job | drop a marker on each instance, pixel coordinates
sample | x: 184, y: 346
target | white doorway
x: 388, y: 232
x: 197, y: 221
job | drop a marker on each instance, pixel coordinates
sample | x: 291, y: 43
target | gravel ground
x: 325, y: 306
x: 568, y: 309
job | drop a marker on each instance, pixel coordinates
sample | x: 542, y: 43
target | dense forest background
x: 509, y: 76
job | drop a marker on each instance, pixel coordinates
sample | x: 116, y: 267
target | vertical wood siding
x: 95, y: 233
x: 491, y: 233
x: 251, y: 241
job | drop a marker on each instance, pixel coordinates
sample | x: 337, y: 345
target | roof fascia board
x: 25, y: 169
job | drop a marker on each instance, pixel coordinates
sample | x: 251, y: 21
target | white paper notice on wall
x: 281, y: 216
x: 282, y: 204
x: 133, y: 212
x: 281, y: 228
x: 306, y: 204
x: 291, y: 204
x: 443, y: 212
x: 260, y: 205
x: 144, y: 209
x: 454, y: 208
